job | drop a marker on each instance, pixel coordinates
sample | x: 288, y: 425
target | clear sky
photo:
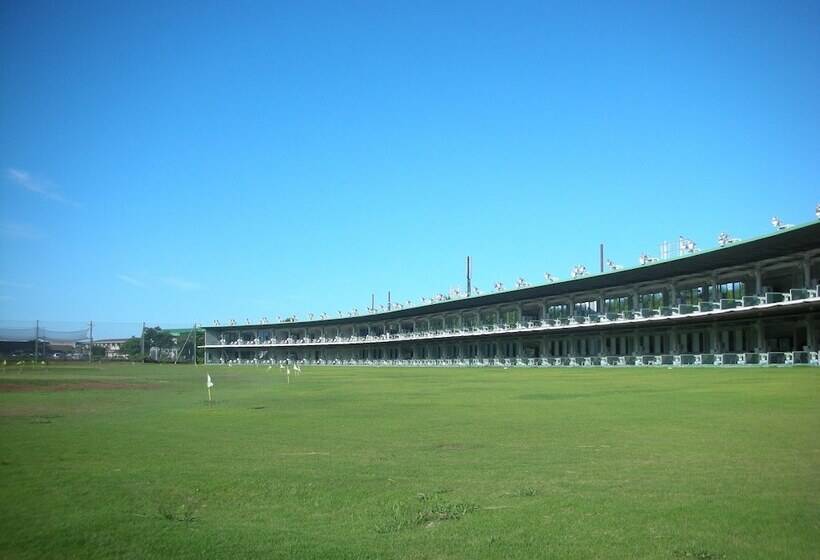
x: 176, y: 162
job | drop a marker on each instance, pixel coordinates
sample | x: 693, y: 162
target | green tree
x: 156, y: 337
x: 133, y: 348
x: 186, y: 352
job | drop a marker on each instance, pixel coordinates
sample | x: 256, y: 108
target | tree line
x: 163, y: 345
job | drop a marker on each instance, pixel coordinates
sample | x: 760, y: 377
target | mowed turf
x: 130, y: 461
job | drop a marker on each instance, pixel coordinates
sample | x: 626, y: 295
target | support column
x: 806, y: 272
x: 810, y: 334
x: 761, y: 336
x: 758, y: 281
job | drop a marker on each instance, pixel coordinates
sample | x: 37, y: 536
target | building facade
x: 749, y: 302
x: 112, y: 348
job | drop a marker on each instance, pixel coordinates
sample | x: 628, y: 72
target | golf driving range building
x: 748, y: 302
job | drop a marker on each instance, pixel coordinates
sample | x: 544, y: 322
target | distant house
x: 112, y: 348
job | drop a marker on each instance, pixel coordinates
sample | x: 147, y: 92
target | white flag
x: 210, y: 383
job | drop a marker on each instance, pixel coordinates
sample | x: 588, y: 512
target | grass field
x: 130, y: 461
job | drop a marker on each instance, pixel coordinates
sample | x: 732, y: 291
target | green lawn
x: 130, y: 461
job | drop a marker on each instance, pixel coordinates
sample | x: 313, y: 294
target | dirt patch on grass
x: 57, y: 387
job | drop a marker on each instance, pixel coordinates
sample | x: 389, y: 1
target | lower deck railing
x: 667, y: 360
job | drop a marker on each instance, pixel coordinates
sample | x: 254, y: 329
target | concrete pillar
x: 673, y: 294
x: 758, y: 281
x: 806, y: 272
x: 761, y: 336
x: 715, y: 290
x: 810, y: 334
x: 636, y: 300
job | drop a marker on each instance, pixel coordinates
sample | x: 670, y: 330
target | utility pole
x: 36, y: 340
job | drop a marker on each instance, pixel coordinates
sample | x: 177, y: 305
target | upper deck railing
x: 726, y: 307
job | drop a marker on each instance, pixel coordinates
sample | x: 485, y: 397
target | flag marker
x: 209, y: 384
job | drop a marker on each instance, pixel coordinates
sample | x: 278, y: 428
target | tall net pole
x: 91, y: 341
x: 142, y: 341
x: 469, y: 276
x: 36, y: 341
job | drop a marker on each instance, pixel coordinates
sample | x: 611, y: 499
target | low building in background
x: 112, y: 348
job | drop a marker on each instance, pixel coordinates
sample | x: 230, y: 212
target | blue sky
x: 177, y: 162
